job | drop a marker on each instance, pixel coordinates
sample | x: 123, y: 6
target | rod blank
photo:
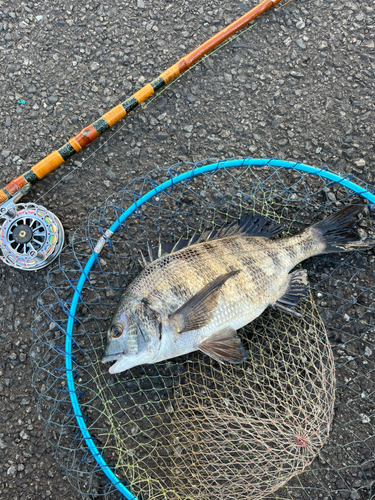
x: 93, y: 131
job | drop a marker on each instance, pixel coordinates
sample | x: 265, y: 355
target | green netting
x: 191, y: 428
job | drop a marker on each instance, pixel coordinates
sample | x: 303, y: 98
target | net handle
x: 196, y: 171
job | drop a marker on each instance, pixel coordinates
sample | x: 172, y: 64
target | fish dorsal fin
x: 197, y: 311
x: 297, y: 288
x: 253, y: 226
x: 224, y: 345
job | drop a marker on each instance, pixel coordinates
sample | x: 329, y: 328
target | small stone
x: 296, y: 74
x: 227, y: 78
x: 365, y: 418
x: 370, y: 44
x: 331, y: 196
x: 368, y: 351
x: 94, y: 66
x: 2, y: 445
x: 300, y: 43
x: 360, y: 163
x: 111, y: 175
x: 140, y: 4
x: 23, y: 435
x: 300, y: 24
x: 8, y: 121
x: 12, y: 471
x: 38, y: 18
x: 189, y: 128
x: 52, y: 99
x: 5, y: 153
x: 20, y: 467
x: 162, y: 136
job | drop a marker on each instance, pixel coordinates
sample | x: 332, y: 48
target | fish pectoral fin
x: 224, y: 345
x: 297, y: 289
x: 197, y: 311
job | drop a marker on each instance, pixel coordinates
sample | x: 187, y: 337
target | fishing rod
x: 30, y: 235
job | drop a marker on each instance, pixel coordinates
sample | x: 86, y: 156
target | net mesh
x: 191, y: 428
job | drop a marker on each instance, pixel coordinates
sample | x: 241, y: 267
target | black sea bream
x: 200, y: 293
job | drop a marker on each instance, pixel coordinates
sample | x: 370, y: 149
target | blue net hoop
x: 345, y: 181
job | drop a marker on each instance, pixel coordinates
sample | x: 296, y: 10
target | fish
x: 196, y: 294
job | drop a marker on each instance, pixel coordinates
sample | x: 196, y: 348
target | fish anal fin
x: 297, y: 289
x: 197, y: 311
x: 224, y: 345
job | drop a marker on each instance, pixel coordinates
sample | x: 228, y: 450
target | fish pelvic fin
x: 337, y: 231
x: 198, y: 310
x: 224, y: 345
x: 297, y: 289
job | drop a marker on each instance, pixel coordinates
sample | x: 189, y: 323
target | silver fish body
x: 196, y: 298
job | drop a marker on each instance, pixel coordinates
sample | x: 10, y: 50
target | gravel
x: 299, y: 85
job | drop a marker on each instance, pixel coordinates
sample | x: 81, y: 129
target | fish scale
x: 200, y: 293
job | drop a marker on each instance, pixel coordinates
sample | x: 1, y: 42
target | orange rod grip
x: 16, y: 184
x: 86, y: 136
x: 170, y: 73
x: 144, y: 93
x: 75, y: 144
x: 47, y: 165
x: 114, y: 115
x: 185, y: 62
x: 3, y: 196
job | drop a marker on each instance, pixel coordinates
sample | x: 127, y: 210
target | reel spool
x: 31, y: 236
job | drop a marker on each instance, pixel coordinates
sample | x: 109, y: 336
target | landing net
x: 191, y: 428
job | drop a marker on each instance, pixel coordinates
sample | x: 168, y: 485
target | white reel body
x: 31, y: 236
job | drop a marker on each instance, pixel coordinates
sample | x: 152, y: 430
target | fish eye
x: 116, y: 331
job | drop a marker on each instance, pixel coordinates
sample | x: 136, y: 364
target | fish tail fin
x: 337, y: 231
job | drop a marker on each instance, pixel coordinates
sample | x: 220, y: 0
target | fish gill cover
x: 189, y: 427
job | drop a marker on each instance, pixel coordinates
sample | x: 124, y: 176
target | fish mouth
x: 107, y: 358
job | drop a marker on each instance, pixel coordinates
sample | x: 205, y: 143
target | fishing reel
x: 31, y: 236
